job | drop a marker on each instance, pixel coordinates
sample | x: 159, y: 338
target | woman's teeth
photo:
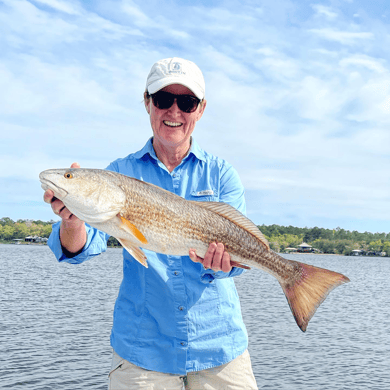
x: 172, y: 124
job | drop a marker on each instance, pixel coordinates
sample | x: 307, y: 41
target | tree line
x: 10, y: 230
x: 336, y: 241
x: 333, y: 241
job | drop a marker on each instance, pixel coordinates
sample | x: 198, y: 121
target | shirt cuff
x: 208, y: 275
x: 96, y: 244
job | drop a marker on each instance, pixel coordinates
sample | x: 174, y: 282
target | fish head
x: 93, y: 195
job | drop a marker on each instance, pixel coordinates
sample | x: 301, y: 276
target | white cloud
x: 139, y: 18
x: 361, y: 60
x: 160, y: 26
x: 25, y: 25
x: 46, y: 89
x: 62, y: 6
x: 322, y: 10
x: 343, y: 37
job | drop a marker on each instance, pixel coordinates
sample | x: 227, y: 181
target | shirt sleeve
x: 96, y: 244
x: 96, y: 240
x: 231, y: 192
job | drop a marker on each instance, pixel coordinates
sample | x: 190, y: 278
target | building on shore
x: 305, y: 248
x: 35, y: 239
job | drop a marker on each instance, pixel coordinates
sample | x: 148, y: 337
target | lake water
x: 55, y: 323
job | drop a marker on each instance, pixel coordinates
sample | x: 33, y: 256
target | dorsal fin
x: 235, y: 216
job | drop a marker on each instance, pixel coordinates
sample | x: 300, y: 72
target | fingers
x: 225, y: 262
x: 48, y: 196
x: 58, y: 206
x: 215, y: 258
x: 194, y: 257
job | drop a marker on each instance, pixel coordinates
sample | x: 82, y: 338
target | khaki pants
x: 235, y: 375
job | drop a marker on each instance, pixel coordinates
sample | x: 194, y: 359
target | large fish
x: 142, y: 215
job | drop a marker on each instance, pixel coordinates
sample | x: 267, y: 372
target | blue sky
x: 298, y: 98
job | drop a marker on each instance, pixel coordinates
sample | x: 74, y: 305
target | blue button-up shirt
x: 175, y: 316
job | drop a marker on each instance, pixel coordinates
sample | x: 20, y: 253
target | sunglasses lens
x: 187, y: 103
x: 164, y: 100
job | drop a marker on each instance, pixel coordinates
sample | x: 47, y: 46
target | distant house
x: 35, y: 239
x: 291, y: 250
x: 305, y: 248
x: 357, y: 252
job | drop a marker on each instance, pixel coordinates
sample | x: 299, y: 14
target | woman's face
x: 173, y: 127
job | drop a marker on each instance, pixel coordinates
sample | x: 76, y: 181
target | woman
x: 179, y: 320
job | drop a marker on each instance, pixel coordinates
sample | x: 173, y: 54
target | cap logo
x: 175, y: 67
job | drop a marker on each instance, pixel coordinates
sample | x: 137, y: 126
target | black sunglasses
x: 164, y: 100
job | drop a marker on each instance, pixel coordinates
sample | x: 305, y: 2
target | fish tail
x: 309, y: 290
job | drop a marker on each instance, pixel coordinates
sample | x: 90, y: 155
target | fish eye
x: 68, y: 175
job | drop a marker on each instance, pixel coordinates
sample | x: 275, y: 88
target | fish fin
x: 235, y: 216
x: 132, y: 229
x: 134, y: 251
x: 238, y: 265
x: 309, y: 290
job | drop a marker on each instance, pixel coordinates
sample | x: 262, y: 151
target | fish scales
x: 186, y: 223
x: 141, y: 215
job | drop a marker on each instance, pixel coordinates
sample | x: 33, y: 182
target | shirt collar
x: 147, y: 149
x: 195, y: 149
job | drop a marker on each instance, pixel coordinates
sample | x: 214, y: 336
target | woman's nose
x: 174, y: 109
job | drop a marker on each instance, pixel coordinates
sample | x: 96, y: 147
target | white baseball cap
x: 176, y: 71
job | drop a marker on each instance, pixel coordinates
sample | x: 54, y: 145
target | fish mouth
x: 47, y: 184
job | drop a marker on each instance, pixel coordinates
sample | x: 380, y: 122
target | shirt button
x: 176, y: 273
x: 181, y: 308
x: 183, y: 343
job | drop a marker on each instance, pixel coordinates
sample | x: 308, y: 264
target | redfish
x: 142, y: 215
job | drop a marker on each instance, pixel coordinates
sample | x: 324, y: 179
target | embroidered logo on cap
x: 175, y: 67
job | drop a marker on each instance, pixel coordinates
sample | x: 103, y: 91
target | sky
x: 298, y: 98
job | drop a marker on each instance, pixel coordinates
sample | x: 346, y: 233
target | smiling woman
x: 174, y: 111
x: 168, y: 317
x: 176, y: 87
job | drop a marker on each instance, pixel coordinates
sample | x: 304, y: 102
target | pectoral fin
x: 131, y: 229
x: 134, y: 251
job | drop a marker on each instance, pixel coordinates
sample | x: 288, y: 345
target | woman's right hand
x: 58, y: 206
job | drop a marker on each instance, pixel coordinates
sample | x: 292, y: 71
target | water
x: 56, y: 319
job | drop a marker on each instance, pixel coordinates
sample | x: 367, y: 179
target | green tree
x: 376, y: 246
x: 386, y: 248
x: 6, y: 221
x: 340, y: 247
x: 112, y: 241
x: 325, y: 246
x: 46, y: 231
x: 8, y: 232
x: 21, y: 230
